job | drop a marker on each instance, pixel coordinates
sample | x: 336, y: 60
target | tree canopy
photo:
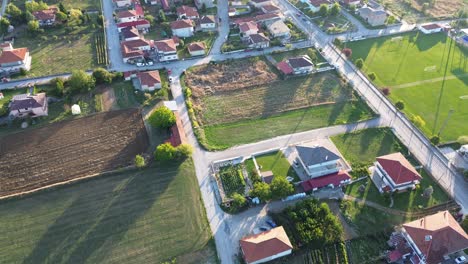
x: 280, y: 188
x: 162, y: 117
x: 80, y: 81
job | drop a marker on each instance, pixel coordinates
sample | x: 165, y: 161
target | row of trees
x: 82, y: 82
x: 279, y: 188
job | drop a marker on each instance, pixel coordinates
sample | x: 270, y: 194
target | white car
x: 150, y: 63
x: 139, y: 64
x: 460, y: 260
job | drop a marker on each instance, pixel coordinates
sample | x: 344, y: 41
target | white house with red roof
x: 128, y: 16
x: 122, y: 3
x: 166, y: 49
x: 26, y: 105
x: 248, y: 28
x: 141, y: 24
x: 430, y: 28
x: 394, y: 172
x: 266, y: 246
x: 148, y: 81
x: 187, y: 12
x: 182, y: 28
x: 258, y: 41
x: 196, y: 49
x: 314, y: 5
x: 12, y: 60
x: 430, y: 240
x: 46, y: 17
x: 207, y: 22
x: 134, y: 49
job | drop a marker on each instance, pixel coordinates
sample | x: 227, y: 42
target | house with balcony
x: 166, y: 49
x: 196, y: 49
x: 393, y: 173
x: 258, y: 41
x: 12, y: 60
x: 318, y: 161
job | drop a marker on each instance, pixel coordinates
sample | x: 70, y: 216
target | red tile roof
x: 127, y: 13
x: 249, y: 25
x: 187, y: 11
x: 196, y: 46
x: 284, y: 67
x: 48, y: 14
x: 184, y: 23
x: 149, y: 78
x: 398, y: 168
x: 268, y: 16
x: 139, y: 10
x: 177, y: 133
x: 13, y: 55
x: 134, y: 23
x: 136, y: 43
x: 165, y: 45
x: 323, y: 181
x: 431, y: 26
x: 265, y: 244
x: 437, y: 235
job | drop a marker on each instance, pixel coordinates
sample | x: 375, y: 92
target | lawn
x: 277, y: 163
x: 363, y: 147
x: 207, y: 38
x: 334, y: 24
x: 413, y: 68
x: 150, y: 215
x: 94, y: 5
x: 227, y: 135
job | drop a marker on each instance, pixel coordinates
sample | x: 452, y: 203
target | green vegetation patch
x: 277, y: 163
x: 232, y: 179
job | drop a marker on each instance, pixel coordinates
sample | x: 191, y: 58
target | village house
x: 182, y: 28
x: 122, y: 3
x: 314, y: 5
x: 207, y: 23
x: 187, y: 12
x: 318, y: 161
x: 128, y: 16
x: 142, y: 25
x: 351, y: 2
x: 258, y: 41
x: 266, y: 246
x: 297, y: 65
x: 148, y: 81
x: 46, y: 17
x: 12, y: 60
x: 260, y: 3
x: 430, y: 28
x: 134, y: 49
x: 270, y: 8
x: 232, y: 12
x: 373, y: 14
x: 196, y: 49
x: 167, y: 49
x: 393, y: 172
x: 278, y: 29
x: 26, y: 105
x: 332, y: 180
x: 130, y: 33
x: 432, y: 239
x: 248, y: 28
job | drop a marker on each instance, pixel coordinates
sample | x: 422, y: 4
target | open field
x: 70, y: 149
x: 412, y: 10
x: 368, y: 249
x: 94, y: 5
x: 363, y: 147
x: 413, y: 67
x: 144, y: 216
x: 277, y: 163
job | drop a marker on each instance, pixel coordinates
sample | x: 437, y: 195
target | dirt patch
x: 441, y: 8
x: 349, y: 232
x: 70, y: 149
x: 229, y: 76
x: 413, y: 11
x: 108, y: 99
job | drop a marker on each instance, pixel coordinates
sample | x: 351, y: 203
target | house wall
x: 303, y: 70
x: 197, y: 53
x: 168, y: 56
x: 389, y: 181
x: 425, y: 31
x: 321, y: 169
x: 208, y: 26
x: 183, y: 32
x: 279, y: 255
x: 260, y: 45
x: 134, y: 38
x: 128, y: 19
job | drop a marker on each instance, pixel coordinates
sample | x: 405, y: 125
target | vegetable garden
x: 101, y: 54
x: 232, y: 179
x: 333, y: 254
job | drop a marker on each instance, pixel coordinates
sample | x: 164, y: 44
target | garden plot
x: 232, y: 179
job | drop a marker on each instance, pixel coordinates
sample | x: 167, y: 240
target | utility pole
x: 446, y: 121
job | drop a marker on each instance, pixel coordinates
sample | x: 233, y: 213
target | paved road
x: 4, y: 5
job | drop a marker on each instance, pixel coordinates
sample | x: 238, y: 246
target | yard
x: 244, y: 101
x: 362, y: 147
x: 413, y: 67
x: 368, y: 249
x: 232, y: 179
x: 149, y: 215
x: 278, y: 164
x: 207, y: 38
x: 334, y: 24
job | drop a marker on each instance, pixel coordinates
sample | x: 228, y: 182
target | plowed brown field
x: 71, y: 149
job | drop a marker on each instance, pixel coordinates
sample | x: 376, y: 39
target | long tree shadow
x: 112, y: 212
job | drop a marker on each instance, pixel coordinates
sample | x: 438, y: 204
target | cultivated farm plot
x: 70, y: 149
x: 413, y: 66
x: 232, y: 179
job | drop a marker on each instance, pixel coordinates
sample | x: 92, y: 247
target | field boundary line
x: 406, y: 85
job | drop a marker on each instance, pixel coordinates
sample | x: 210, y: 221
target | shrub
x: 238, y: 201
x: 184, y: 150
x: 261, y: 190
x: 165, y: 152
x: 101, y: 76
x: 386, y: 91
x: 417, y: 121
x: 80, y: 81
x: 435, y: 140
x: 162, y: 117
x: 372, y: 76
x: 280, y: 188
x: 359, y: 63
x: 188, y: 93
x: 463, y: 140
x: 140, y: 161
x: 347, y: 52
x: 400, y: 105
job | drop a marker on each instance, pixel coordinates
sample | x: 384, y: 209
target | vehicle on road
x: 460, y: 260
x: 170, y: 79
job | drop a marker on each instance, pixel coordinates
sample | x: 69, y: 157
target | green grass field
x: 413, y: 68
x: 363, y: 147
x: 142, y: 216
x: 277, y: 163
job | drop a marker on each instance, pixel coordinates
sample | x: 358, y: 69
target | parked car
x: 460, y: 260
x: 140, y: 64
x: 150, y: 63
x: 264, y: 228
x: 271, y: 223
x: 170, y: 79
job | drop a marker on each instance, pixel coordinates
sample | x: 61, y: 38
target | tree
x: 139, y: 161
x: 335, y: 10
x: 59, y: 86
x: 4, y: 24
x: 435, y: 140
x: 352, y: 8
x: 165, y: 152
x: 418, y: 121
x: 150, y: 19
x: 238, y: 201
x: 162, y: 16
x: 100, y: 19
x: 101, y: 76
x: 280, y: 188
x: 391, y: 20
x: 162, y: 117
x: 203, y: 8
x: 359, y: 63
x: 347, y: 52
x: 261, y: 190
x: 184, y: 150
x: 462, y: 140
x: 33, y: 26
x: 29, y: 16
x: 386, y: 91
x: 372, y: 76
x: 75, y: 14
x: 400, y: 105
x: 465, y: 174
x: 33, y: 6
x: 61, y: 16
x: 62, y: 8
x: 323, y: 11
x: 80, y: 81
x: 15, y: 13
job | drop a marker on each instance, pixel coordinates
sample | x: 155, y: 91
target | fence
x: 431, y: 157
